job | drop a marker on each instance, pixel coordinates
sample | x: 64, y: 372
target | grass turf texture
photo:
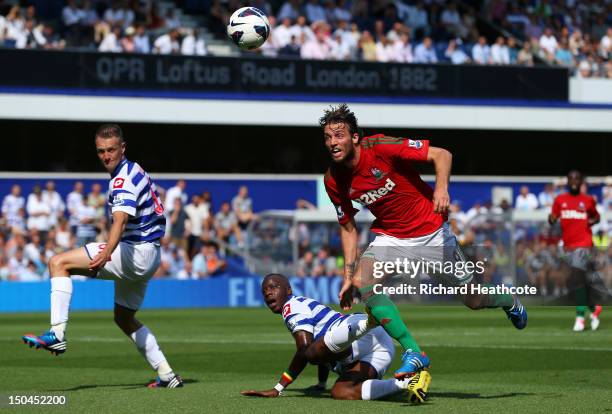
x: 480, y: 363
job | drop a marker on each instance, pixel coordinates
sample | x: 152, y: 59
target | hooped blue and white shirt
x: 132, y: 191
x: 304, y: 314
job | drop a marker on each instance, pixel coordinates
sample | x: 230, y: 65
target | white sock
x: 61, y: 293
x: 375, y: 389
x: 347, y: 332
x: 147, y: 346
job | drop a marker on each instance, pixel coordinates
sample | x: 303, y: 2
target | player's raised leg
x: 146, y: 343
x: 510, y: 304
x: 386, y: 314
x: 61, y: 266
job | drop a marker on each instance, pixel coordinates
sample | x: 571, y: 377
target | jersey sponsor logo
x: 371, y: 196
x: 118, y: 200
x: 339, y: 211
x: 118, y: 183
x: 573, y: 215
x: 286, y: 310
x: 417, y: 144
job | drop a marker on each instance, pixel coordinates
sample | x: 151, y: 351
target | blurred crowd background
x: 202, y: 243
x: 568, y: 33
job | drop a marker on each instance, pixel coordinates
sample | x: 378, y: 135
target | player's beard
x: 349, y: 156
x: 574, y: 190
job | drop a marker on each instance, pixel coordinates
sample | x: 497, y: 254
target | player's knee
x: 473, y: 302
x: 124, y: 320
x: 56, y: 264
x: 344, y: 392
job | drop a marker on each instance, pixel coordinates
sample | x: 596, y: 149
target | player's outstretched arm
x: 442, y: 161
x: 119, y: 221
x: 349, y: 237
x: 302, y: 340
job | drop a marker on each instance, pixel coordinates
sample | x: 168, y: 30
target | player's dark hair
x: 340, y: 114
x: 269, y: 275
x: 276, y: 276
x: 109, y: 131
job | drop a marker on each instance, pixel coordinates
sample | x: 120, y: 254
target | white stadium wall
x: 595, y: 91
x: 202, y: 111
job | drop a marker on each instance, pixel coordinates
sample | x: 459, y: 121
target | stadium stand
x: 569, y: 34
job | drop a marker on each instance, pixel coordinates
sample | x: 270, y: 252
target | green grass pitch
x: 480, y: 363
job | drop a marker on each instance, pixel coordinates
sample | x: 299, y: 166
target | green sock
x: 582, y: 296
x: 386, y: 314
x: 580, y: 311
x: 501, y: 300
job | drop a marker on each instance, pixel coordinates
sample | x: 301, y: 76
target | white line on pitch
x: 288, y: 342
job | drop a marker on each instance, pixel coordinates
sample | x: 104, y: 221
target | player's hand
x: 267, y: 394
x: 346, y: 295
x: 441, y: 201
x: 100, y: 260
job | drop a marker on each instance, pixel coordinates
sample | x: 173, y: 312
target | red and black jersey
x: 386, y: 182
x: 574, y: 212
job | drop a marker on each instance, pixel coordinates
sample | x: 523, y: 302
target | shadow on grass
x: 311, y: 392
x: 132, y: 386
x: 470, y: 396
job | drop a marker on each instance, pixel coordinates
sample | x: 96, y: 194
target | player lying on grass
x: 359, y: 351
x: 129, y: 258
x: 378, y: 172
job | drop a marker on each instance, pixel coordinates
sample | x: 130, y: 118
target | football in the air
x: 248, y: 28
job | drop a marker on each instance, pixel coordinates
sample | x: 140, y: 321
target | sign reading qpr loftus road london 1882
x: 154, y: 73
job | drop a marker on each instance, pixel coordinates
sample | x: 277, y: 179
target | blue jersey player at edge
x: 129, y: 258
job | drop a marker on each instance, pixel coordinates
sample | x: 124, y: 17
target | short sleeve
x: 297, y: 317
x: 123, y: 196
x: 343, y: 205
x: 395, y: 148
x: 412, y: 149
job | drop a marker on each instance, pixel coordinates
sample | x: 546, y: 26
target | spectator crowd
x: 485, y: 233
x: 128, y: 26
x: 576, y: 35
x: 199, y: 242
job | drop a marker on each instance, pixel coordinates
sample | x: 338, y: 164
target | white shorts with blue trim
x: 131, y: 266
x: 375, y: 347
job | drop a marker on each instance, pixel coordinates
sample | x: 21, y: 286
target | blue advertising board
x: 219, y: 292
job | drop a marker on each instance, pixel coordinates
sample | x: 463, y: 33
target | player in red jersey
x: 576, y: 213
x: 378, y: 172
